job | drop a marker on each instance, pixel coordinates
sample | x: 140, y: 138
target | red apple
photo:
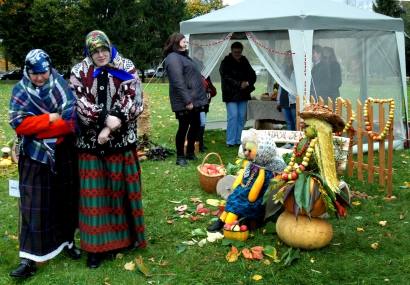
x: 244, y: 228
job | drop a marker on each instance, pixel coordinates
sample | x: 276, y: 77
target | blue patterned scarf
x: 54, y: 96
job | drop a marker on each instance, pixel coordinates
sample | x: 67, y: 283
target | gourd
x: 302, y: 232
x: 318, y: 207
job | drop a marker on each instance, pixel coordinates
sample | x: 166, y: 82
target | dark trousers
x: 189, y: 124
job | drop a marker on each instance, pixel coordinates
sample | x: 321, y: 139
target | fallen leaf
x: 130, y: 266
x: 202, y: 242
x: 181, y: 248
x: 312, y: 260
x: 167, y: 172
x: 198, y: 232
x: 290, y: 255
x: 195, y: 200
x: 141, y: 266
x: 356, y: 203
x: 247, y: 253
x: 402, y: 216
x: 316, y: 271
x: 257, y: 252
x: 257, y: 277
x: 176, y: 202
x: 189, y: 242
x: 194, y: 218
x: 358, y: 217
x: 272, y: 253
x: 119, y: 256
x: 360, y: 230
x: 181, y: 209
x: 390, y: 198
x: 375, y: 245
x: 213, y: 202
x: 212, y: 237
x: 383, y: 223
x: 170, y: 222
x: 266, y: 262
x: 233, y: 255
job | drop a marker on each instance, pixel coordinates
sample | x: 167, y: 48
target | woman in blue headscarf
x: 109, y: 100
x: 42, y: 112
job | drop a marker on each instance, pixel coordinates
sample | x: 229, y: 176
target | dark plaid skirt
x: 49, y: 204
x: 111, y: 214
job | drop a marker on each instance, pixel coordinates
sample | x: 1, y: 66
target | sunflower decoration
x: 309, y: 184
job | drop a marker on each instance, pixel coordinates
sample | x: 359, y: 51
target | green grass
x: 348, y: 260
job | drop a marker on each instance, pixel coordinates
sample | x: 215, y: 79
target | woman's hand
x: 113, y: 122
x: 190, y: 106
x: 54, y: 117
x: 244, y: 84
x: 104, y: 135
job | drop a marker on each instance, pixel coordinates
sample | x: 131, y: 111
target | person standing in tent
x: 109, y: 100
x: 320, y: 74
x: 186, y: 93
x: 237, y: 80
x: 329, y: 58
x: 42, y: 112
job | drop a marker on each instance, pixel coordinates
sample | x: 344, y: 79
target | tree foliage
x: 138, y: 28
x: 196, y: 8
x: 390, y: 8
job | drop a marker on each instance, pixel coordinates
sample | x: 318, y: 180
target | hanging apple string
x: 212, y: 43
x: 368, y: 124
x: 270, y: 50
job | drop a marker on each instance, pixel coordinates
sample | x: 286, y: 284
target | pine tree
x: 390, y: 8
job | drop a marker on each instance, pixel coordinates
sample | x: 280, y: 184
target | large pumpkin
x: 318, y: 206
x: 302, y: 232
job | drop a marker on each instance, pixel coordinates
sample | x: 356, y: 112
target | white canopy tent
x: 369, y: 47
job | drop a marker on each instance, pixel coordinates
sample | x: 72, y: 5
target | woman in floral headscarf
x: 42, y: 112
x: 109, y: 100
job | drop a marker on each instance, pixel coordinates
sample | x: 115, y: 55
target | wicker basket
x: 207, y: 181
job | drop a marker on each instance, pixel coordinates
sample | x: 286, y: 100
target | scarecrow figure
x: 245, y: 201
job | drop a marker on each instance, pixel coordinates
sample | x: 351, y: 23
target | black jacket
x: 185, y: 82
x: 232, y: 74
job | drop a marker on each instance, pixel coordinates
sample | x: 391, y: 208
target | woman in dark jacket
x: 186, y: 93
x: 237, y: 80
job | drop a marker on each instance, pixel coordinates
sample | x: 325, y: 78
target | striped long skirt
x: 49, y: 204
x: 111, y: 214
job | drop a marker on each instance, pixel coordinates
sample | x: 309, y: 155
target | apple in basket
x: 213, y: 169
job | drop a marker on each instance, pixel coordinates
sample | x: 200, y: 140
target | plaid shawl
x: 28, y: 100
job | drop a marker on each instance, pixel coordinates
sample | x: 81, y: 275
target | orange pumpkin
x: 318, y: 207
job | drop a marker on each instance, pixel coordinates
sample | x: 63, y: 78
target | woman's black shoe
x: 181, y: 161
x: 191, y: 157
x: 73, y: 252
x: 25, y: 269
x: 217, y: 226
x: 94, y: 260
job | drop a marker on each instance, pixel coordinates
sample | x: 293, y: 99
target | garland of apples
x: 378, y: 136
x: 349, y: 124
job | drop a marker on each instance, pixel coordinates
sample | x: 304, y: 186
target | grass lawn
x: 349, y: 259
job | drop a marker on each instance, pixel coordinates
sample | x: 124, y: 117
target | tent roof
x: 262, y: 15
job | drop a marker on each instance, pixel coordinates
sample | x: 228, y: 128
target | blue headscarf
x: 37, y: 61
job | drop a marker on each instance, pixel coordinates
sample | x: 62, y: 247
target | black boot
x: 73, y: 252
x: 202, y: 147
x: 181, y: 161
x: 25, y: 269
x: 217, y: 226
x: 94, y: 260
x: 191, y: 156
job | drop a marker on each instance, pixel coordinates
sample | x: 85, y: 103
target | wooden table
x: 265, y: 113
